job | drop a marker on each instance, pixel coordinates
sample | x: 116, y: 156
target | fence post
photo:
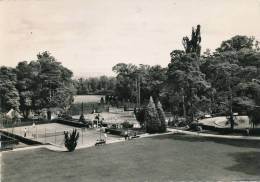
x: 45, y: 136
x: 36, y: 133
x: 82, y: 136
x: 55, y: 136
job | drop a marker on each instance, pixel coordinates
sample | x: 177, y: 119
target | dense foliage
x: 153, y: 117
x: 95, y: 85
x: 192, y: 85
x: 131, y: 78
x: 43, y: 83
x: 9, y: 96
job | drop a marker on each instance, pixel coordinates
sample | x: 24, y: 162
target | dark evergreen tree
x: 193, y: 45
x: 71, y: 139
x: 151, y: 118
x: 254, y: 116
x: 102, y: 102
x: 161, y: 115
x: 82, y: 118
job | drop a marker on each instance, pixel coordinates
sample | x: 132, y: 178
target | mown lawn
x: 161, y: 158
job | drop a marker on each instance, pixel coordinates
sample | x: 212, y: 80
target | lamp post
x: 183, y: 103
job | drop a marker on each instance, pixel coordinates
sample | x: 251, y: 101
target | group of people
x: 25, y: 130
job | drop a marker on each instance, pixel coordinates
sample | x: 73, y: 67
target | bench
x: 100, y: 142
x: 133, y: 137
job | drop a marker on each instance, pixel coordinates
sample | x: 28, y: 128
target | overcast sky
x: 90, y: 36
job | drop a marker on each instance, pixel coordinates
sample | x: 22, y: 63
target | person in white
x: 25, y: 132
x: 105, y: 135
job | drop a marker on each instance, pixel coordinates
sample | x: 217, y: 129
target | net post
x: 45, y: 136
x: 82, y: 136
x: 55, y: 136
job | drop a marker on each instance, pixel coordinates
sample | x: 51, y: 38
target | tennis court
x: 53, y: 133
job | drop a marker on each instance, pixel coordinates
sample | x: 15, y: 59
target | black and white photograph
x: 129, y: 90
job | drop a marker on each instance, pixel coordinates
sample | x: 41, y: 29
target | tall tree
x: 26, y: 80
x: 193, y: 45
x: 9, y: 96
x: 185, y: 80
x: 161, y: 115
x: 126, y: 74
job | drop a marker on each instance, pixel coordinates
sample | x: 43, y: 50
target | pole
x: 231, y: 109
x: 230, y: 105
x: 136, y: 84
x: 100, y: 134
x: 82, y: 136
x: 45, y: 136
x: 183, y: 104
x: 55, y: 136
x: 139, y: 92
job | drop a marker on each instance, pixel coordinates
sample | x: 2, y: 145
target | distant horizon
x: 89, y: 37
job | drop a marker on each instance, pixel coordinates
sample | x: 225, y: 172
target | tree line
x: 193, y: 83
x: 102, y: 85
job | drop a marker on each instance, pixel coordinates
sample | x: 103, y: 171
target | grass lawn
x: 161, y: 158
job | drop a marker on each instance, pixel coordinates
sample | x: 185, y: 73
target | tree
x: 131, y: 79
x: 54, y: 84
x: 71, y: 139
x: 237, y: 43
x: 161, y: 115
x: 187, y: 85
x: 193, y: 45
x: 232, y: 72
x: 26, y: 82
x: 151, y: 118
x: 254, y: 116
x: 154, y: 81
x: 9, y: 96
x: 102, y: 102
x: 126, y: 74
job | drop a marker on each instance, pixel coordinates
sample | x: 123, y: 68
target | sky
x: 90, y: 36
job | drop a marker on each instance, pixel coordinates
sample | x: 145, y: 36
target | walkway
x: 213, y: 135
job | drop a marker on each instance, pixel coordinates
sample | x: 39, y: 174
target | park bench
x: 135, y: 136
x: 100, y: 142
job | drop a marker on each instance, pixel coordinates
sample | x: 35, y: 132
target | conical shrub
x: 151, y: 118
x: 161, y: 115
x: 71, y: 140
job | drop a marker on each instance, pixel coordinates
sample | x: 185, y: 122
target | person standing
x: 25, y: 132
x: 105, y: 135
x: 126, y: 135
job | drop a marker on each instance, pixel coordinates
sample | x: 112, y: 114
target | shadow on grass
x: 247, y: 162
x: 224, y: 141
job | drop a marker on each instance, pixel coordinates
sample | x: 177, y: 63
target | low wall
x: 22, y: 139
x: 73, y: 123
x: 253, y: 131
